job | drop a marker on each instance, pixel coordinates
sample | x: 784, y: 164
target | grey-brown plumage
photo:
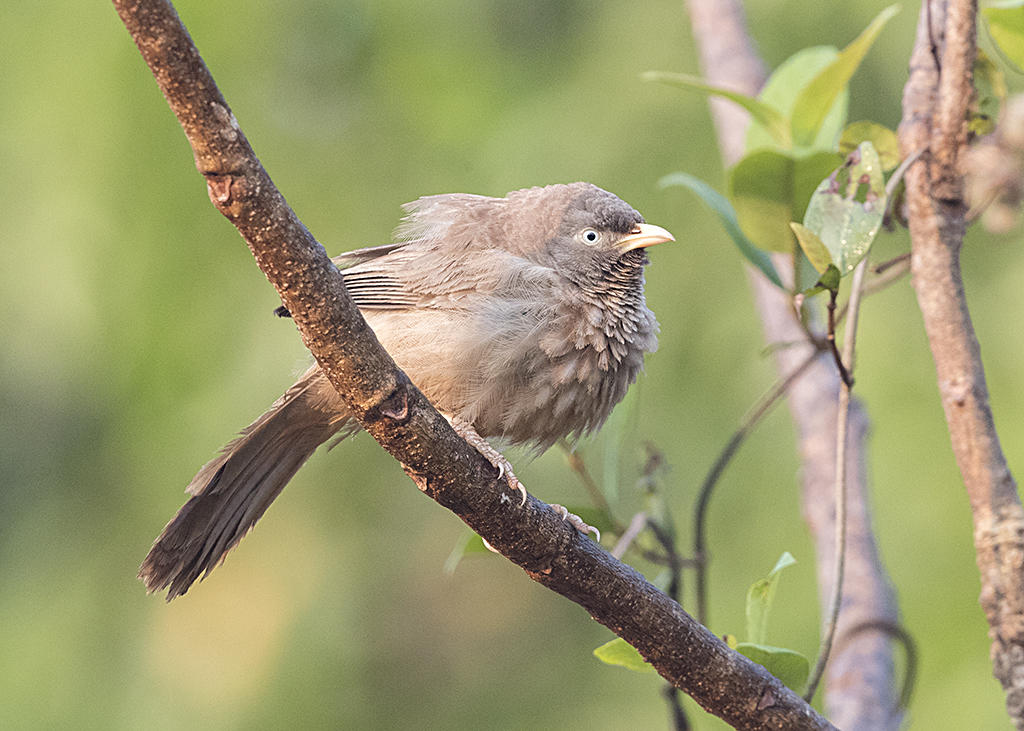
x: 522, y: 316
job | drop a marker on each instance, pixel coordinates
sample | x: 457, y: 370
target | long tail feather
x: 232, y: 491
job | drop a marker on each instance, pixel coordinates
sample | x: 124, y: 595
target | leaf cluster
x: 794, y: 168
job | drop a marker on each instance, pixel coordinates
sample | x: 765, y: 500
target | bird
x: 521, y: 318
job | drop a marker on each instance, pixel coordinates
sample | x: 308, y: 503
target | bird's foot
x: 497, y: 459
x: 504, y: 468
x: 577, y: 521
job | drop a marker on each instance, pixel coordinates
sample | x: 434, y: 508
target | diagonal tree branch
x: 935, y: 102
x: 396, y: 414
x: 860, y: 677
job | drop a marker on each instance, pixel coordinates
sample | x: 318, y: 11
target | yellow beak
x: 643, y: 235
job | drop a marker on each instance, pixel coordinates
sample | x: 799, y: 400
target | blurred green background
x: 137, y: 337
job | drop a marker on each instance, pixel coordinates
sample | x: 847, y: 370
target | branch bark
x: 397, y: 415
x: 935, y: 102
x: 860, y: 676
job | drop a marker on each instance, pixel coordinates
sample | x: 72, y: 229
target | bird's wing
x: 423, y: 275
x: 380, y: 285
x: 446, y: 253
x: 351, y: 258
x: 372, y: 282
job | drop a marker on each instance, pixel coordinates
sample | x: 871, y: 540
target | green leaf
x: 621, y: 653
x: 768, y: 189
x: 789, y: 666
x: 886, y: 143
x: 808, y: 281
x: 727, y: 215
x: 784, y: 86
x: 764, y: 114
x: 815, y: 100
x: 990, y: 92
x: 827, y: 282
x: 847, y: 208
x: 816, y: 252
x: 760, y: 597
x: 1006, y: 25
x: 761, y: 190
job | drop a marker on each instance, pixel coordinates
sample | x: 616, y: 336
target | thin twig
x: 897, y: 177
x: 579, y: 466
x: 679, y: 720
x: 635, y: 527
x: 842, y: 423
x: 892, y: 271
x: 637, y: 524
x: 844, y: 373
x: 859, y: 289
x: 887, y: 265
x: 899, y: 633
x: 891, y: 274
x: 669, y: 559
x: 760, y: 410
x: 663, y: 529
x: 666, y: 537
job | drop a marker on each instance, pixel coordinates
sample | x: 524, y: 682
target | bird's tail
x: 232, y: 491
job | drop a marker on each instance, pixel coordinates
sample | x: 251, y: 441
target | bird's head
x: 589, y: 233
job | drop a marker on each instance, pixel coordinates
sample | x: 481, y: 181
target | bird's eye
x: 590, y: 236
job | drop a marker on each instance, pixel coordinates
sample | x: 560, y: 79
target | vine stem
x: 760, y: 410
x: 845, y: 387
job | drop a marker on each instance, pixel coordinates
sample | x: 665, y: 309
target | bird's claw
x: 505, y: 471
x: 577, y: 522
x: 515, y: 484
x: 465, y: 430
x: 513, y: 481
